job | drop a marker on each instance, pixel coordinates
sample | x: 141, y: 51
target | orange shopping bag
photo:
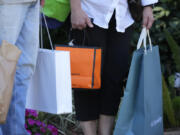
x: 85, y: 66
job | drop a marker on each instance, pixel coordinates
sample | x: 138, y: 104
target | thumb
x: 89, y: 23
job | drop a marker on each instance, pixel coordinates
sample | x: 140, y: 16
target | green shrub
x: 169, y: 118
x: 175, y: 49
x: 176, y: 106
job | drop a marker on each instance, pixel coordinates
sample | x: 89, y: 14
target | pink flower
x: 38, y: 123
x: 53, y: 129
x: 43, y: 124
x: 55, y: 133
x: 37, y: 134
x: 31, y: 112
x: 50, y: 127
x: 26, y: 126
x: 31, y: 121
x: 42, y: 129
x: 27, y: 112
x: 29, y: 132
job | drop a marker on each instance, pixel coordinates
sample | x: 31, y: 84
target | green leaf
x: 175, y: 49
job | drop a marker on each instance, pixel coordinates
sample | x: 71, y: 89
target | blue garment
x: 19, y: 25
x: 51, y: 22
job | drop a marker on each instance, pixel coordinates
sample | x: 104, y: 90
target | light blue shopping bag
x: 141, y: 108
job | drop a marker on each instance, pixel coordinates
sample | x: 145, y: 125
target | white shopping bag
x: 50, y: 88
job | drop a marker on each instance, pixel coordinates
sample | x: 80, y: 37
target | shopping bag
x: 85, y: 66
x: 141, y: 108
x: 9, y: 55
x: 50, y: 88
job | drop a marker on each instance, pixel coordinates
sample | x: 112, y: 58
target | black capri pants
x: 89, y: 104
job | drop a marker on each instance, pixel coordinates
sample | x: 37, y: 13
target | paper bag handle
x: 47, y: 29
x: 142, y: 39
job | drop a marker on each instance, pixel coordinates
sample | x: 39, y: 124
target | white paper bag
x: 50, y: 88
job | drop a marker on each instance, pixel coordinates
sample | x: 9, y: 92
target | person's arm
x: 148, y: 18
x: 79, y: 18
x: 42, y: 3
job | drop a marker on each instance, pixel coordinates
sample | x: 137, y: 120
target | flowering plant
x: 36, y: 127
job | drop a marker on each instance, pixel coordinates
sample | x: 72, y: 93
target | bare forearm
x: 75, y: 5
x: 79, y: 19
x: 148, y: 18
x: 42, y: 3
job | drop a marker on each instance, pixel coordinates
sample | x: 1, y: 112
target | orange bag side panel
x: 81, y: 66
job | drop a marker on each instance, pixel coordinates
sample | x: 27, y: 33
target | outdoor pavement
x: 172, y: 133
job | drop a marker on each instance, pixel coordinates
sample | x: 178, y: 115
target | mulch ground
x: 172, y: 132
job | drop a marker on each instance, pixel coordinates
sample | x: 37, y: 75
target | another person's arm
x: 42, y: 2
x: 79, y: 18
x: 148, y: 18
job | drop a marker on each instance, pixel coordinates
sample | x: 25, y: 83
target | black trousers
x: 89, y: 104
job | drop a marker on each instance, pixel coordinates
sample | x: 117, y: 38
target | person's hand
x: 148, y: 17
x: 42, y: 3
x: 80, y: 20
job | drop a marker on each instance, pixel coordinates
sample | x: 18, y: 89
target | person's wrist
x: 75, y: 10
x: 42, y: 3
x: 151, y: 6
x: 75, y: 6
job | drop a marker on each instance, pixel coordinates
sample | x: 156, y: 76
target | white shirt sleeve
x: 148, y: 2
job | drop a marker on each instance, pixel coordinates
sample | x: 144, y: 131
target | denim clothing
x: 19, y: 25
x: 15, y: 1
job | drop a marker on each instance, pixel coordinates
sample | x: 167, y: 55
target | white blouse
x: 101, y: 12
